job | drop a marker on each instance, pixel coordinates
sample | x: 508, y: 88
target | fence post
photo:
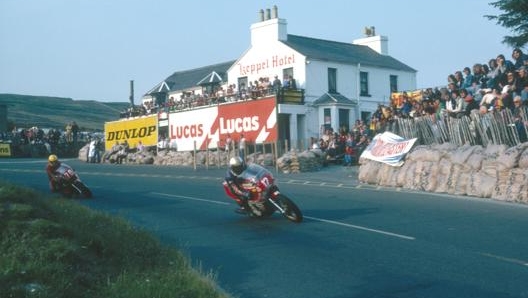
x: 194, y: 156
x: 207, y: 154
x: 218, y: 154
x: 274, y: 154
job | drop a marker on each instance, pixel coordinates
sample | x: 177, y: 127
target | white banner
x: 211, y: 126
x: 388, y: 148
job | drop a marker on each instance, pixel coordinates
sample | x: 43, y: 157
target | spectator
x: 489, y: 97
x: 123, y: 152
x: 454, y: 106
x: 348, y: 156
x: 242, y: 147
x: 92, y: 151
x: 69, y: 133
x: 292, y: 84
x: 469, y: 80
x: 140, y: 147
x: 479, y: 77
x: 504, y: 66
x: 510, y: 89
x: 459, y: 79
x: 228, y: 143
x: 361, y: 145
x: 163, y: 144
x: 520, y: 58
x: 406, y: 106
x: 75, y: 131
x: 471, y: 104
x: 522, y: 78
x: 493, y: 74
x: 519, y: 117
x: 276, y: 84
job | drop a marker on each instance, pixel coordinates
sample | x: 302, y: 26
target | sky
x: 92, y: 49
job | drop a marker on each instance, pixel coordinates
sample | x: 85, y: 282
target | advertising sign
x: 5, y: 150
x: 388, y: 148
x: 209, y: 127
x: 144, y: 129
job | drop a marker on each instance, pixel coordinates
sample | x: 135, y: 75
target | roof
x: 332, y: 99
x: 348, y: 53
x: 211, y: 79
x: 312, y: 48
x: 181, y: 80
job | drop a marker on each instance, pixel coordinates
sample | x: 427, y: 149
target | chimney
x: 378, y: 43
x: 275, y: 12
x: 269, y: 29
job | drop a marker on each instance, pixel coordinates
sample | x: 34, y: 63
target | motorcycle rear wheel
x: 291, y: 211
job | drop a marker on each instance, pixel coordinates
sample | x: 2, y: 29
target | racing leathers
x: 234, y: 183
x: 54, y: 180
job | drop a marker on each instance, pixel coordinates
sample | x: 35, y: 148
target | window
x: 393, y: 83
x: 332, y: 80
x: 344, y: 119
x: 242, y: 83
x: 286, y: 73
x: 363, y: 84
x: 327, y: 116
x: 327, y: 120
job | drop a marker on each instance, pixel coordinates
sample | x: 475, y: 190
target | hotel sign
x: 275, y: 61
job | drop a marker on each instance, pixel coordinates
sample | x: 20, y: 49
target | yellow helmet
x: 53, y: 158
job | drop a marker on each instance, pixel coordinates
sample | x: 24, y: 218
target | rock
x: 495, y: 172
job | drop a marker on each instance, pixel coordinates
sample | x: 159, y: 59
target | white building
x: 340, y: 81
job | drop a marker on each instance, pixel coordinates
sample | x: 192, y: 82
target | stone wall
x: 495, y: 172
x: 291, y: 162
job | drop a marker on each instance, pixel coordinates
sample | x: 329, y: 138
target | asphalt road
x: 356, y: 240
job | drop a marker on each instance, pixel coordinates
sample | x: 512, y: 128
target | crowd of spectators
x: 495, y: 85
x: 37, y: 142
x: 214, y: 94
x: 345, y: 145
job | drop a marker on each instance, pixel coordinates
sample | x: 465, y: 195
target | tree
x: 515, y: 18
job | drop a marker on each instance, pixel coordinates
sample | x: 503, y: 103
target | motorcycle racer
x: 51, y: 168
x: 233, y: 179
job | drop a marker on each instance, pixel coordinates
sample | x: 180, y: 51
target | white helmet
x: 237, y: 165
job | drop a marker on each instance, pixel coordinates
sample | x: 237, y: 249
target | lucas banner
x: 388, y: 148
x: 210, y: 127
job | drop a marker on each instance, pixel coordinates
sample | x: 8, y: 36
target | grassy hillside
x: 54, y: 247
x: 55, y: 112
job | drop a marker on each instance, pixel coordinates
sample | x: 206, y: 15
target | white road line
x: 504, y: 259
x: 361, y: 228
x: 312, y: 218
x: 189, y: 198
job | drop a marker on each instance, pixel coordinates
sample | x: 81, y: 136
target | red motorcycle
x: 265, y: 197
x: 69, y: 182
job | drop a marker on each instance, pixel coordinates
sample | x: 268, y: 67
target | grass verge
x: 51, y: 247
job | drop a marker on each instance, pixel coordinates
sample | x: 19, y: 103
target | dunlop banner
x: 144, y: 129
x: 5, y: 150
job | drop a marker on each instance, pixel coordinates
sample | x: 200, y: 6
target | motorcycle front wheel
x: 291, y: 211
x: 82, y: 189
